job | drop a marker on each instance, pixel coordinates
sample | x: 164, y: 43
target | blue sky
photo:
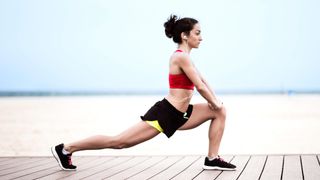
x: 249, y: 45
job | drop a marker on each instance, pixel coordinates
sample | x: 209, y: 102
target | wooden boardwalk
x: 265, y: 167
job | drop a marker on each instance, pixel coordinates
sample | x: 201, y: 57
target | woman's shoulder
x: 179, y: 56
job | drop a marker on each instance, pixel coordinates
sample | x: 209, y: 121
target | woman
x: 174, y: 112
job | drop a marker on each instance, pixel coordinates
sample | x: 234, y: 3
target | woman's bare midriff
x: 180, y: 98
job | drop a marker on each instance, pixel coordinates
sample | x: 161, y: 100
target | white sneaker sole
x: 217, y: 168
x: 55, y: 155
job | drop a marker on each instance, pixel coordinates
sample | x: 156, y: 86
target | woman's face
x: 194, y: 37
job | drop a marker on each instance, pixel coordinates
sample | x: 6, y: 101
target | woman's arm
x: 205, y: 82
x: 210, y: 89
x: 202, y: 87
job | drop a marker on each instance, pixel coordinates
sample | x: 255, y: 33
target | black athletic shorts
x: 170, y: 119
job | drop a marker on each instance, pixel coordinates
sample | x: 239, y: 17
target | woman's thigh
x: 138, y: 133
x: 200, y: 114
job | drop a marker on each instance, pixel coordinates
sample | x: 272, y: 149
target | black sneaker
x: 64, y: 160
x: 218, y: 164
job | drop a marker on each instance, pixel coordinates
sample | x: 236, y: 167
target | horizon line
x: 119, y: 93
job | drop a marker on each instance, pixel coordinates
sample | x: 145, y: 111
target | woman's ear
x: 184, y: 36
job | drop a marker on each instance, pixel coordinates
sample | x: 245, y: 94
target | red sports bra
x: 180, y: 81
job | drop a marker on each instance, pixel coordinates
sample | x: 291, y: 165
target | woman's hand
x: 216, y: 105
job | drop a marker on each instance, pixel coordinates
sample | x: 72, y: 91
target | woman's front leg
x: 202, y: 113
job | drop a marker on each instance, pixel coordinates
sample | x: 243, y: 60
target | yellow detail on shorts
x: 155, y: 124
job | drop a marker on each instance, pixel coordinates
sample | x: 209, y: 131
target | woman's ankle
x: 67, y: 148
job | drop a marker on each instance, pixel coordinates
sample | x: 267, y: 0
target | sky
x: 120, y: 46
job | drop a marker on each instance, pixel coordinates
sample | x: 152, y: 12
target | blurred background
x: 78, y: 46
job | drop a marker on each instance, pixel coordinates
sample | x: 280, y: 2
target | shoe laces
x: 221, y: 159
x: 69, y: 159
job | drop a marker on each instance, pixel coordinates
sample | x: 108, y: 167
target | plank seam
x: 59, y: 170
x: 27, y: 168
x: 264, y: 165
x: 118, y: 164
x: 48, y: 174
x: 244, y: 168
x: 7, y: 161
x: 89, y: 168
x: 22, y: 164
x: 126, y: 168
x: 198, y: 174
x: 148, y: 167
x: 166, y: 168
x: 33, y: 172
x: 282, y: 167
x: 186, y: 168
x: 301, y: 166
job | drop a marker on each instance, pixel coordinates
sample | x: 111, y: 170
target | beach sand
x: 256, y: 124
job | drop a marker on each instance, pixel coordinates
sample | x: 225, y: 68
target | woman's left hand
x: 215, y: 106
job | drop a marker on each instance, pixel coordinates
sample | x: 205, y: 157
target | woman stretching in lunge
x: 173, y: 112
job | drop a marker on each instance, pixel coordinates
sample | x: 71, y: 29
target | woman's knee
x: 117, y: 142
x: 120, y: 142
x: 223, y: 112
x: 219, y: 113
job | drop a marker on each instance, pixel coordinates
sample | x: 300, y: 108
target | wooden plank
x: 311, y: 168
x: 4, y: 159
x: 13, y: 161
x: 292, y: 168
x: 211, y: 174
x: 24, y: 167
x: 15, y: 165
x: 138, y: 168
x: 106, y: 173
x: 240, y: 162
x: 254, y: 168
x: 161, y: 166
x: 50, y: 168
x: 30, y: 168
x: 176, y: 168
x: 106, y: 165
x: 273, y: 168
x: 81, y: 166
x: 192, y: 171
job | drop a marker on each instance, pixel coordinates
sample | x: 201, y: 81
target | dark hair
x: 175, y: 26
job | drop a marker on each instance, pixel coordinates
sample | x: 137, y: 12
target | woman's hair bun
x: 174, y: 26
x: 169, y: 26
